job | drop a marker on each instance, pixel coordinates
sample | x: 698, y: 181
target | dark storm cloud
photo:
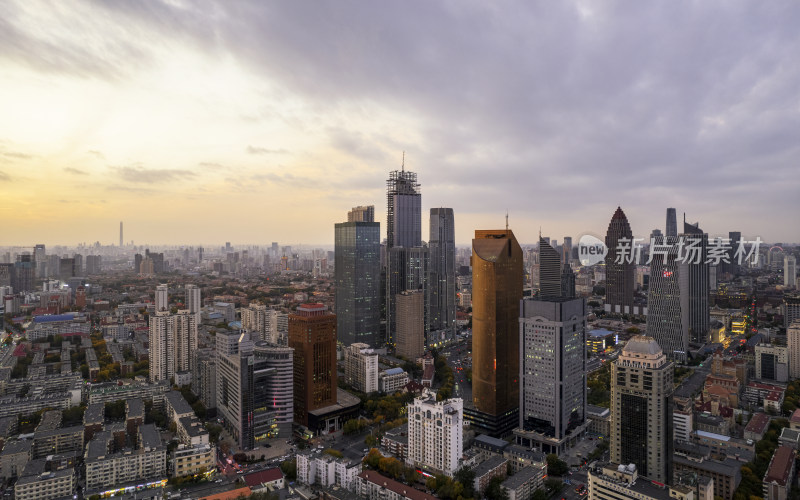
x: 557, y: 110
x: 576, y: 105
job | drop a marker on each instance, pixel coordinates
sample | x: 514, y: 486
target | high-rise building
x: 410, y: 336
x: 772, y: 362
x: 549, y: 270
x: 641, y: 409
x: 261, y: 321
x: 312, y: 335
x: 435, y: 434
x: 173, y: 341
x: 793, y: 346
x: 441, y: 285
x: 694, y: 284
x: 665, y: 319
x: 40, y: 260
x: 361, y: 367
x: 24, y: 273
x: 672, y: 223
x: 193, y: 300
x: 790, y: 272
x: 162, y: 298
x: 620, y: 276
x: 790, y: 308
x: 404, y: 210
x: 497, y: 281
x: 566, y: 249
x: 361, y: 214
x: 567, y: 281
x: 403, y: 233
x: 358, y: 279
x: 735, y: 238
x: 552, y: 402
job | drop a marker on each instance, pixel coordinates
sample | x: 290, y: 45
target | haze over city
x: 255, y: 122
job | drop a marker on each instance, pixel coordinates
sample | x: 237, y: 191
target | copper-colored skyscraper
x: 497, y: 278
x: 312, y: 335
x: 620, y: 277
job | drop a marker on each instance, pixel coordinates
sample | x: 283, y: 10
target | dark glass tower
x: 442, y: 274
x: 496, y: 293
x: 672, y: 223
x: 695, y: 284
x: 641, y: 409
x: 620, y: 278
x: 403, y: 242
x: 549, y: 270
x: 357, y: 277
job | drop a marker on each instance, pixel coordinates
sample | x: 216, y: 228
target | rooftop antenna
x: 506, y: 219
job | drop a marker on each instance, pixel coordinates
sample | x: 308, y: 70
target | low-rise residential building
x: 780, y: 474
x: 392, y: 380
x: 265, y: 480
x: 520, y: 458
x: 790, y: 438
x: 496, y: 466
x: 726, y: 474
x: 395, y: 441
x: 373, y: 486
x: 106, y: 467
x: 523, y: 483
x: 37, y: 483
x: 14, y: 457
x: 190, y: 460
x: 599, y: 420
x: 58, y: 441
x: 757, y: 427
x: 325, y: 470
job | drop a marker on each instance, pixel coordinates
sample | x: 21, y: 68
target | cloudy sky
x: 252, y: 122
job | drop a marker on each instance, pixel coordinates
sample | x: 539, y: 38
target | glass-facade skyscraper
x: 620, y: 276
x: 358, y: 280
x: 442, y: 274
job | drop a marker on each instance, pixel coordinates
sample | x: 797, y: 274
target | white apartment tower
x: 173, y: 341
x: 435, y: 433
x: 261, y: 320
x: 793, y: 345
x: 162, y: 298
x: 361, y: 367
x: 790, y: 272
x: 193, y: 300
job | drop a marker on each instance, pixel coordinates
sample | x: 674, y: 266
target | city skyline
x: 160, y: 115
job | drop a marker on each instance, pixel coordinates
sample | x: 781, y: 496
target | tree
x: 289, y: 468
x: 373, y: 458
x: 466, y: 477
x: 556, y: 466
x: 494, y: 491
x: 333, y: 453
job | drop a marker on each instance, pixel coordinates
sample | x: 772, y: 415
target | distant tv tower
x: 120, y: 233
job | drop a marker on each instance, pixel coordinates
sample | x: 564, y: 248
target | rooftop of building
x: 521, y: 477
x: 343, y: 400
x: 790, y: 434
x: 521, y: 451
x: 486, y: 440
x: 17, y: 446
x: 489, y: 465
x: 796, y: 417
x: 264, y: 476
x: 729, y: 467
x: 641, y: 344
x: 54, y: 317
x: 51, y: 419
x: 193, y: 426
x: 641, y: 488
x: 394, y: 371
x: 178, y: 403
x: 600, y: 332
x: 395, y: 486
x: 150, y: 436
x: 135, y: 407
x: 712, y: 435
x: 758, y: 423
x: 780, y: 466
x: 598, y: 411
